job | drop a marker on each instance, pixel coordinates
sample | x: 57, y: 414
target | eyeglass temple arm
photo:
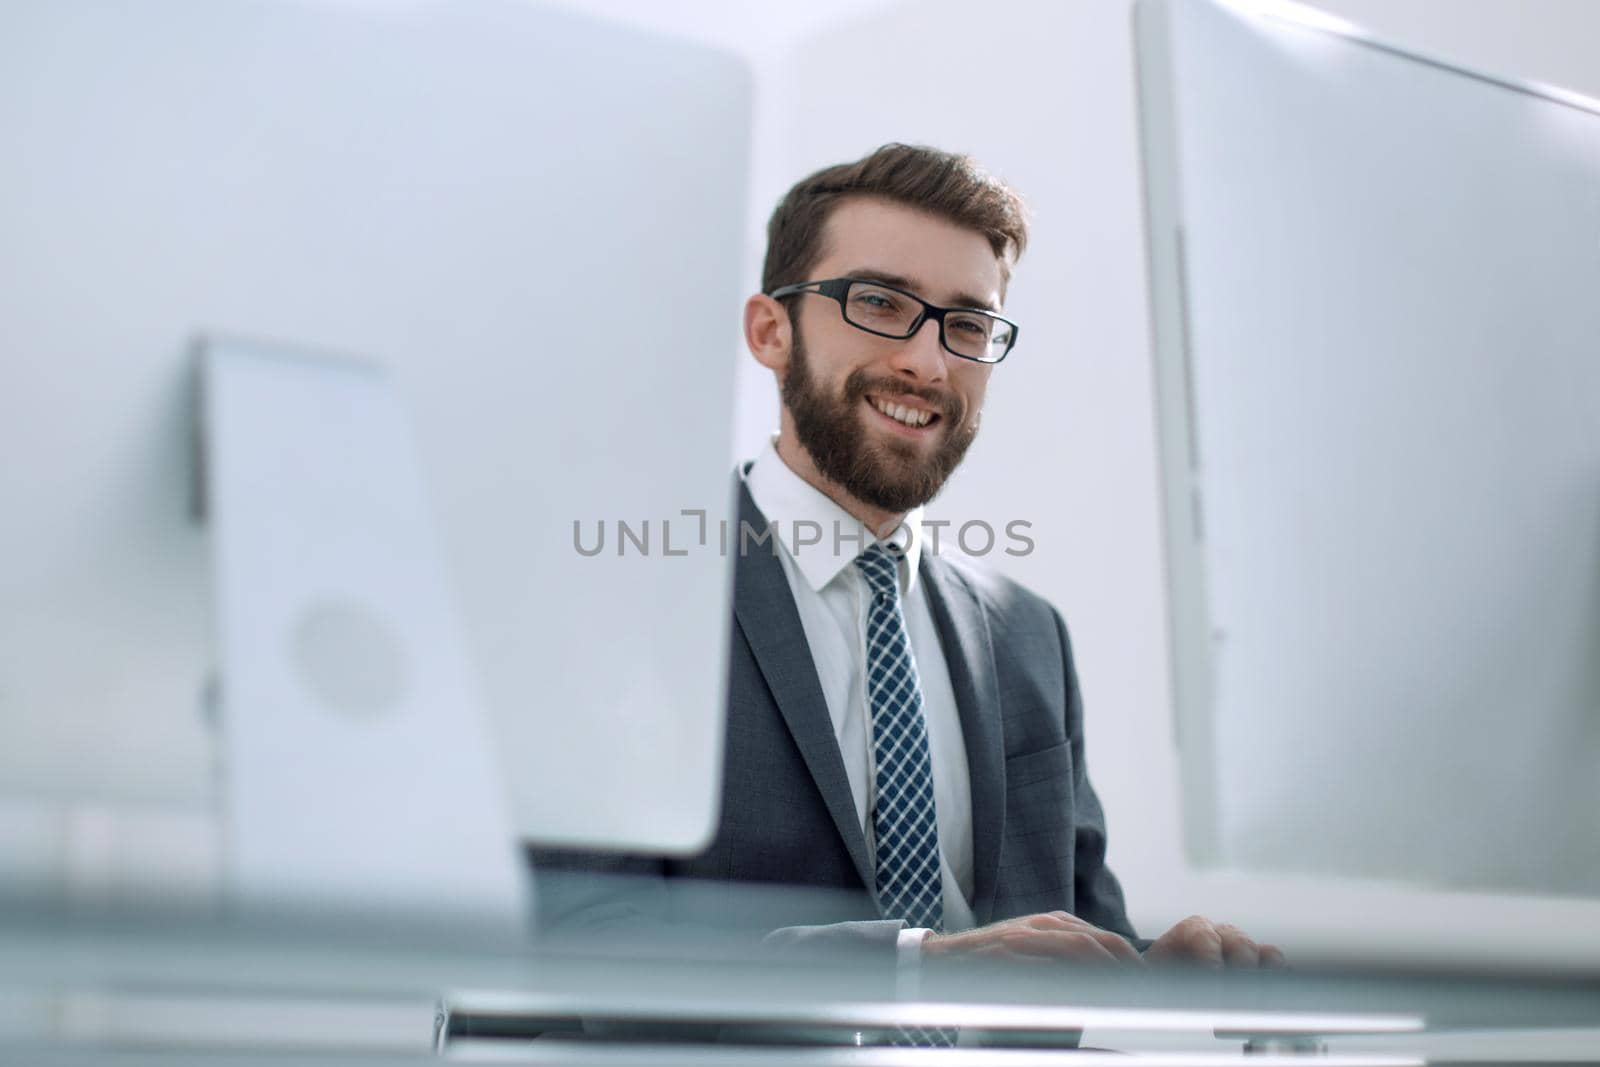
x: 797, y: 287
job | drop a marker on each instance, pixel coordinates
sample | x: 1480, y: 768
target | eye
x: 876, y: 300
x: 971, y: 327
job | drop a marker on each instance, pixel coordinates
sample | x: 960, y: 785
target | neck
x: 880, y: 522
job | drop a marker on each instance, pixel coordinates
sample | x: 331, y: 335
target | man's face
x: 842, y: 383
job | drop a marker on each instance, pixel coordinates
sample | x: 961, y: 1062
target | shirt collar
x: 799, y: 512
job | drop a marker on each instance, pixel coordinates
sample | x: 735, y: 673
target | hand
x: 1055, y: 935
x: 1199, y: 940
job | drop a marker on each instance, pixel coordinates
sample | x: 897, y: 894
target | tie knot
x: 881, y: 566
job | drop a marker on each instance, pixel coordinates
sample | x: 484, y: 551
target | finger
x: 1272, y: 956
x: 1111, y: 941
x: 1238, y: 950
x: 1061, y: 945
x: 1059, y: 920
x: 1119, y: 948
x: 1196, y: 939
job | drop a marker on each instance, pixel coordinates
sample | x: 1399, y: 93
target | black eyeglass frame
x: 837, y: 289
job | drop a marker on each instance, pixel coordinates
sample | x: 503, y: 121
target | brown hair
x: 951, y: 186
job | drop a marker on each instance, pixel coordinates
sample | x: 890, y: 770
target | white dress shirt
x: 832, y: 598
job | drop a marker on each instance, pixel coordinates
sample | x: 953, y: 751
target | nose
x: 920, y: 357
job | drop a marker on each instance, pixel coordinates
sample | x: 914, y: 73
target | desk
x: 125, y: 992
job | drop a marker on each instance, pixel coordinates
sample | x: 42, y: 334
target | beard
x: 891, y: 475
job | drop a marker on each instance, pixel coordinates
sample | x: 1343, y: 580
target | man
x: 905, y: 734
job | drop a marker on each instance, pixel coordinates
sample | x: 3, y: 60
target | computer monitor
x: 532, y: 221
x: 1373, y: 276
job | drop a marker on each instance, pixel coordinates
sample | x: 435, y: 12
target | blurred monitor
x: 1374, y: 280
x: 531, y: 221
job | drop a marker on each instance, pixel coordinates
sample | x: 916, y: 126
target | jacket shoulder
x: 1003, y: 598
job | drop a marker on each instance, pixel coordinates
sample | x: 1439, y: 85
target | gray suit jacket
x: 788, y: 818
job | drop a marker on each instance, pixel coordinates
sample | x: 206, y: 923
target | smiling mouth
x: 909, y: 417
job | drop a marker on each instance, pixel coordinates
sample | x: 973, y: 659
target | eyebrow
x: 962, y: 300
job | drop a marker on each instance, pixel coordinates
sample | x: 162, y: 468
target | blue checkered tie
x: 907, y: 832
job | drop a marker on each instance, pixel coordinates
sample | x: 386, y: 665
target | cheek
x: 973, y: 385
x: 848, y: 376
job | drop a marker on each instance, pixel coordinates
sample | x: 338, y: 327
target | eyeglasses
x: 889, y: 312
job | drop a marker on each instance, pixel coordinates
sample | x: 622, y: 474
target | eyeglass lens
x: 966, y: 333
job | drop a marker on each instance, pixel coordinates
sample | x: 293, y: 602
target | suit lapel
x: 969, y: 653
x: 764, y: 607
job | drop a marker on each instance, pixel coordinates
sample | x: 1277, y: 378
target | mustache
x: 858, y: 385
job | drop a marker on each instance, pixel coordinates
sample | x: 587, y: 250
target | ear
x: 767, y: 332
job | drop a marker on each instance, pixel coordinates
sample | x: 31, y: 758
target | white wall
x: 1044, y: 95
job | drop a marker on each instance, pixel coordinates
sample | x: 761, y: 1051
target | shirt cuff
x: 908, y: 947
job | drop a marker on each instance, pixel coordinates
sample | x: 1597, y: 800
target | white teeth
x: 901, y: 413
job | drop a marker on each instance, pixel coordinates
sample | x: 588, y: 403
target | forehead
x: 943, y: 261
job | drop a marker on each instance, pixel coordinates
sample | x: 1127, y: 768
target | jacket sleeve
x: 632, y: 903
x: 1097, y: 895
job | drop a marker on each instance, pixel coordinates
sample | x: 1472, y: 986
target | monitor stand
x: 358, y: 775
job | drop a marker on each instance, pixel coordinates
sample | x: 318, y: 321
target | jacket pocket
x: 1053, y: 763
